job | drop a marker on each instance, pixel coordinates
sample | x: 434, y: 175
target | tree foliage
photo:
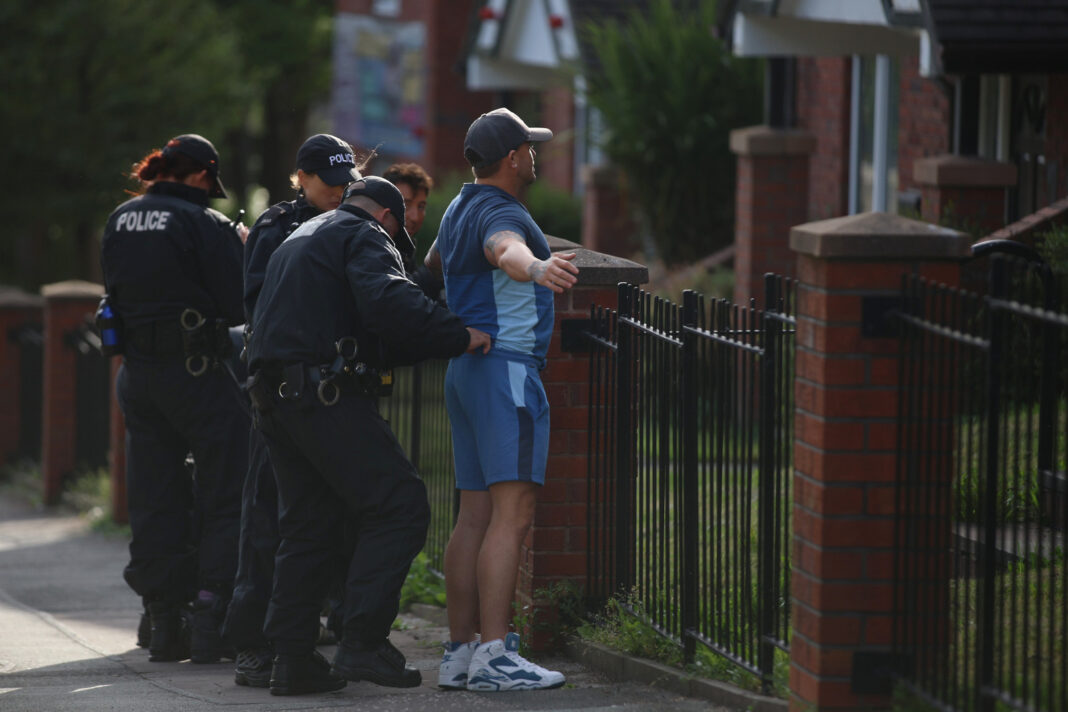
x: 90, y: 87
x: 669, y: 93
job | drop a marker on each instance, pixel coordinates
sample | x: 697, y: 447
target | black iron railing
x: 690, y: 442
x: 981, y: 600
x: 416, y: 411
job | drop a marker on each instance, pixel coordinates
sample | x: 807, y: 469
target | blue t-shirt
x: 517, y: 315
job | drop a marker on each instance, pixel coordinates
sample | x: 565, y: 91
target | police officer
x: 325, y: 165
x: 172, y: 268
x: 335, y: 309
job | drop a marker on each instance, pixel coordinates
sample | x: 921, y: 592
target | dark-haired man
x: 500, y: 277
x: 334, y: 311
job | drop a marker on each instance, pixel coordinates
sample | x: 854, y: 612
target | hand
x: 479, y: 339
x: 242, y: 232
x: 557, y: 273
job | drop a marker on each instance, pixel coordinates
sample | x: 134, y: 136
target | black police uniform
x: 340, y: 275
x: 165, y: 252
x: 243, y: 626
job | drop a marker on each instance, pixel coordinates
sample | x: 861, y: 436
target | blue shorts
x: 500, y: 420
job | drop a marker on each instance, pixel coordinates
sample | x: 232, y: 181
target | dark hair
x: 410, y: 173
x: 164, y: 163
x: 487, y: 170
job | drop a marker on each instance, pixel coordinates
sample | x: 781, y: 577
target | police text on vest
x: 143, y: 220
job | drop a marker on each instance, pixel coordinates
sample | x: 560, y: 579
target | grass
x: 621, y: 626
x: 87, y: 493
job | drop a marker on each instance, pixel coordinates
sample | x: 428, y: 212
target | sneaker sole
x: 516, y: 688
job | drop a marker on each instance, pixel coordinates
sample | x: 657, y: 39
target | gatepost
x: 555, y: 548
x: 67, y: 306
x: 846, y: 389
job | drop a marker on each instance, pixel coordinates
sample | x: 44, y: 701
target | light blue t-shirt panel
x: 518, y: 315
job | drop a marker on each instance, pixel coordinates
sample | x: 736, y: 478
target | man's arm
x: 432, y: 260
x: 508, y: 251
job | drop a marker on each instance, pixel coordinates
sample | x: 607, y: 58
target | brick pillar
x: 555, y: 549
x: 771, y: 196
x: 67, y: 306
x: 964, y: 193
x: 845, y: 462
x: 607, y: 225
x: 117, y: 452
x: 18, y: 309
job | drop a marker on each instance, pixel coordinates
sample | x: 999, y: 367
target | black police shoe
x: 170, y: 633
x: 207, y: 645
x: 382, y: 664
x: 303, y: 674
x: 144, y: 630
x: 253, y: 668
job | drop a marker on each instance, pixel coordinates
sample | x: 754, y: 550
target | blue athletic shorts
x: 500, y: 420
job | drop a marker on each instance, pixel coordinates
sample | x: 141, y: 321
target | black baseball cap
x: 200, y: 150
x: 491, y: 136
x: 385, y: 194
x: 330, y: 158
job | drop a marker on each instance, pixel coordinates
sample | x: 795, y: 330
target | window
x: 873, y: 177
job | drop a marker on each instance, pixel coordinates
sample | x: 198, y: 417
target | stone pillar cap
x: 597, y: 269
x: 880, y: 236
x: 963, y: 171
x: 72, y: 289
x: 15, y: 298
x: 766, y: 141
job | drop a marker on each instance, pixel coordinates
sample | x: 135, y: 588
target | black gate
x: 981, y: 602
x: 691, y: 441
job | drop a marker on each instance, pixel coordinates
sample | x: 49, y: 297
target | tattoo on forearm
x: 491, y: 243
x: 536, y: 270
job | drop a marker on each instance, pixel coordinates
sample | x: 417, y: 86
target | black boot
x: 170, y: 633
x: 144, y: 629
x: 207, y: 645
x: 382, y: 664
x: 303, y: 674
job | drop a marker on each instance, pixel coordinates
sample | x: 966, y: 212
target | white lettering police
x: 343, y: 159
x: 143, y: 220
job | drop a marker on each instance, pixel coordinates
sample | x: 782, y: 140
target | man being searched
x: 172, y: 268
x: 325, y: 166
x: 336, y: 309
x: 499, y: 277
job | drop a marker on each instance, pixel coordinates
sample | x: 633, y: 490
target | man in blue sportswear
x: 499, y: 278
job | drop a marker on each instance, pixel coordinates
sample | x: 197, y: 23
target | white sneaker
x: 452, y: 673
x: 497, y: 666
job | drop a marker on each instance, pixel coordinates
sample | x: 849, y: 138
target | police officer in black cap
x: 336, y: 309
x: 172, y: 268
x: 325, y: 166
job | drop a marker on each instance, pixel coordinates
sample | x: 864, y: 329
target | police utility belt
x: 204, y: 342
x: 345, y: 375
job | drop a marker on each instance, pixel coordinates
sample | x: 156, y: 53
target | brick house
x: 950, y: 110
x: 411, y: 75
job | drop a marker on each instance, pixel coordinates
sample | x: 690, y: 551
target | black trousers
x: 168, y: 414
x: 334, y: 465
x: 243, y: 626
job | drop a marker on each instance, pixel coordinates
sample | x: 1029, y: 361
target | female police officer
x: 172, y: 268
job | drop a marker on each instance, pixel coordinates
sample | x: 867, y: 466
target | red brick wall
x: 845, y: 463
x: 556, y: 158
x: 924, y: 120
x: 555, y: 549
x: 1057, y: 130
x: 823, y: 89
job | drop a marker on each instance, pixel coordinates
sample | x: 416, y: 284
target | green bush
x: 669, y: 94
x: 1053, y: 246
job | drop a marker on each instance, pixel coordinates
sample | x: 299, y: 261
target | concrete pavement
x: 68, y: 628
